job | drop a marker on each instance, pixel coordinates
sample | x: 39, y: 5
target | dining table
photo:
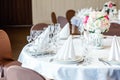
x: 94, y: 66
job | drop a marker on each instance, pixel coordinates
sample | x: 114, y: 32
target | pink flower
x: 86, y: 19
x: 110, y: 5
x: 99, y: 21
x: 106, y: 17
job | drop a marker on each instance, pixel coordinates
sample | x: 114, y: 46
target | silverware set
x: 104, y: 62
x: 84, y: 62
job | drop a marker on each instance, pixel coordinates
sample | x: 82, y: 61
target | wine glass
x: 81, y: 29
x: 29, y: 39
x: 85, y: 54
x: 35, y: 33
x: 56, y: 37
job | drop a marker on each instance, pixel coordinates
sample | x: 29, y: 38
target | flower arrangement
x: 110, y: 8
x: 96, y: 21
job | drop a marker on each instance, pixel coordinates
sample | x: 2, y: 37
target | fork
x: 104, y: 62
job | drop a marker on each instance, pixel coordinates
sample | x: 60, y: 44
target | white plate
x: 33, y: 53
x: 101, y: 47
x: 70, y: 61
x: 63, y: 38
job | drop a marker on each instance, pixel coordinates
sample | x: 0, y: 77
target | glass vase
x: 96, y: 40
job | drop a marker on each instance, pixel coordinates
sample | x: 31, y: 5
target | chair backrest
x: 69, y: 14
x: 113, y: 30
x: 21, y: 73
x: 75, y: 30
x: 5, y: 46
x: 53, y: 18
x: 62, y: 21
x: 39, y: 26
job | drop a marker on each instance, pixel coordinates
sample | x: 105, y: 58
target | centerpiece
x: 96, y: 23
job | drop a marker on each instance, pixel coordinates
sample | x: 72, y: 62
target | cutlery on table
x: 104, y: 62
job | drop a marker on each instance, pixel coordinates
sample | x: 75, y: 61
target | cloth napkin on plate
x: 66, y: 52
x: 41, y: 43
x: 65, y: 32
x: 114, y: 54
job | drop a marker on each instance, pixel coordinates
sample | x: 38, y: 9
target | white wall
x: 41, y: 9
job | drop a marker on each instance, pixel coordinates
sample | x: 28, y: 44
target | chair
x: 5, y: 46
x: 53, y: 18
x: 5, y: 49
x: 113, y: 30
x: 6, y: 58
x: 75, y: 30
x: 21, y: 73
x: 62, y: 20
x: 39, y: 26
x: 69, y: 14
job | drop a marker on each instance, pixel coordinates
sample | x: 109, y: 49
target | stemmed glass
x: 51, y: 31
x: 85, y: 45
x: 29, y: 39
x: 55, y: 37
x: 85, y: 54
x: 35, y: 33
x: 81, y: 29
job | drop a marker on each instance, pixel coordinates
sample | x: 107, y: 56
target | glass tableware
x: 35, y: 33
x: 29, y: 39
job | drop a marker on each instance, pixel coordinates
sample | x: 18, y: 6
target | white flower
x: 97, y: 21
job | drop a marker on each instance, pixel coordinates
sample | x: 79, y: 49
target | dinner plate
x: 64, y: 38
x: 77, y: 59
x: 100, y: 47
x: 33, y: 53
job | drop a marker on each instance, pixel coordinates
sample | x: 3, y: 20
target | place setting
x: 114, y: 54
x: 47, y: 42
x: 66, y: 54
x: 41, y: 46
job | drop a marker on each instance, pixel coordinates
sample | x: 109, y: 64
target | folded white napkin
x: 66, y: 52
x: 41, y: 43
x: 65, y: 32
x: 114, y: 54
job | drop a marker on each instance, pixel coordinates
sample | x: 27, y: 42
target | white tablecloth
x: 96, y: 70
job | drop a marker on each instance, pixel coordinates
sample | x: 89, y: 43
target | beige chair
x: 5, y: 46
x: 21, y: 73
x: 62, y: 21
x: 39, y: 26
x: 53, y: 18
x: 6, y: 58
x: 6, y: 55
